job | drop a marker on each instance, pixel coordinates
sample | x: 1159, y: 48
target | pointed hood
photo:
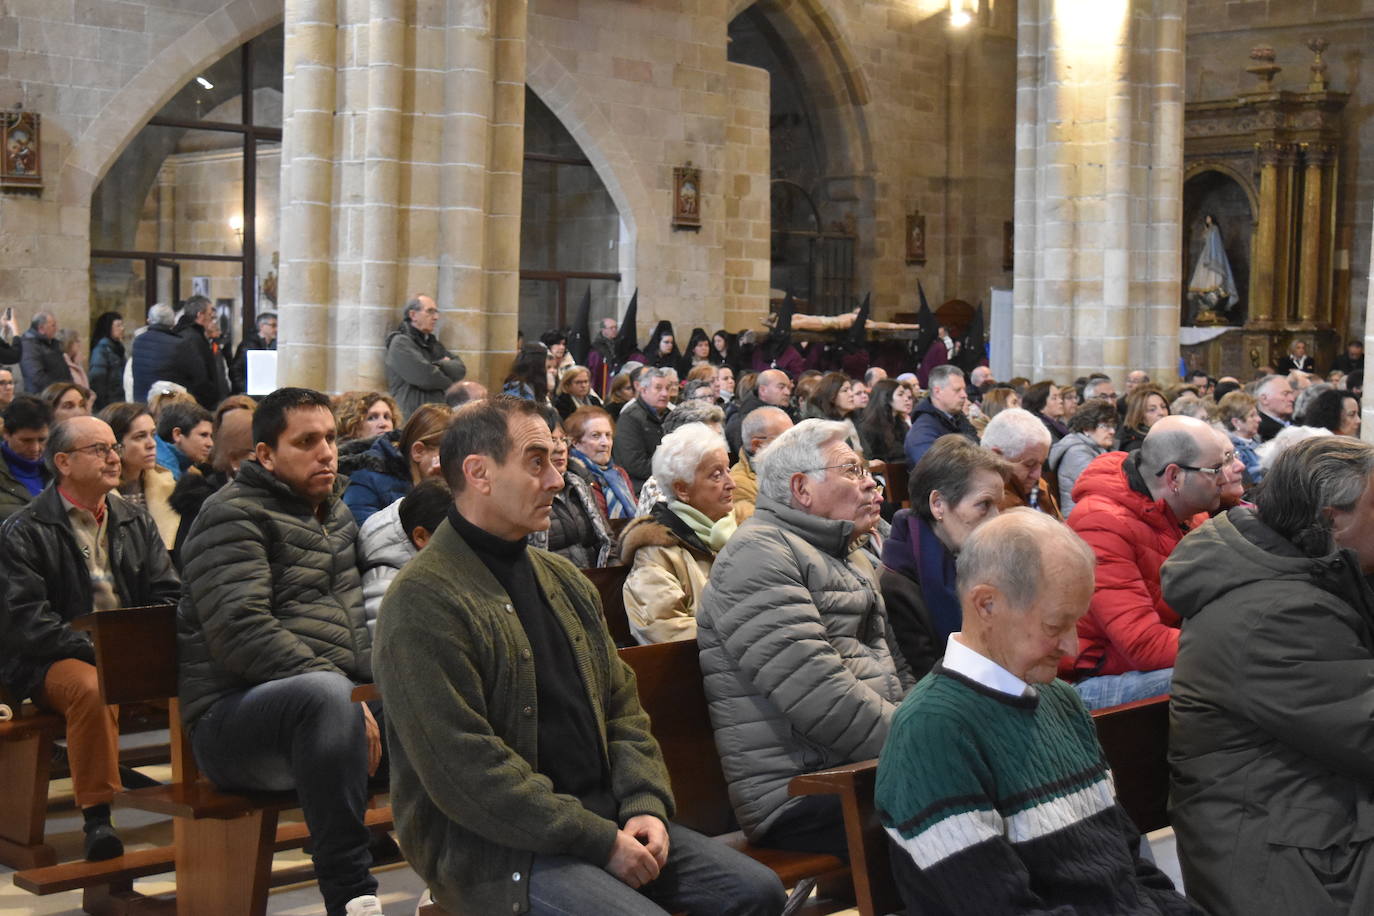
x: 580, y: 331
x: 627, y: 339
x: 927, y: 321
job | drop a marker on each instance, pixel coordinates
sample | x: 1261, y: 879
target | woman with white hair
x: 671, y: 549
x: 1019, y: 437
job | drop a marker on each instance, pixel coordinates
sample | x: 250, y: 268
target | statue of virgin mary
x: 1212, y: 289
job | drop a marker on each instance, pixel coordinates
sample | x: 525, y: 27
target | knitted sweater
x: 1004, y: 804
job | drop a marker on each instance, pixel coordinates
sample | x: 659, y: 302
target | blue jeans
x: 1115, y: 689
x: 303, y: 733
x: 703, y: 877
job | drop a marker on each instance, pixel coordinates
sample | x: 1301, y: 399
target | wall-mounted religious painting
x: 687, y: 197
x: 21, y: 166
x: 916, y: 238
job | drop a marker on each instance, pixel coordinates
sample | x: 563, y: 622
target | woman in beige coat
x: 671, y: 549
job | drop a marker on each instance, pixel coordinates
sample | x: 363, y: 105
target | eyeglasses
x: 7, y: 384
x: 100, y: 450
x: 1210, y: 472
x: 853, y: 470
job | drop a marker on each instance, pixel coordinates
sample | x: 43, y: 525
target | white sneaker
x: 367, y: 905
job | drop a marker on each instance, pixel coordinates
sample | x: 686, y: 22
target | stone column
x: 1099, y: 149
x: 404, y: 126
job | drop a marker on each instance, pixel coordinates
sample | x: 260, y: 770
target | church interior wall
x: 1220, y: 36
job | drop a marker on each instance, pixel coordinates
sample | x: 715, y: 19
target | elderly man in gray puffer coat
x: 799, y: 663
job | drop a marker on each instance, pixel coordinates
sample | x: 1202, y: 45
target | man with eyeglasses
x: 1133, y: 509
x: 77, y: 549
x: 419, y: 369
x: 796, y: 648
x: 6, y: 387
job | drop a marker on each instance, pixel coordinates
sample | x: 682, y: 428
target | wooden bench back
x: 136, y: 662
x: 1135, y: 740
x: 671, y: 692
x: 897, y: 484
x: 610, y: 585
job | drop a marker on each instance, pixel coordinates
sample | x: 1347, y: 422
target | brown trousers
x: 70, y: 689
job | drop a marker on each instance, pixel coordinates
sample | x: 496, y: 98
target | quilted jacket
x: 1129, y: 626
x: 795, y: 655
x: 270, y: 592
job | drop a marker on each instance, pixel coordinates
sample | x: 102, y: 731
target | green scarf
x: 712, y: 534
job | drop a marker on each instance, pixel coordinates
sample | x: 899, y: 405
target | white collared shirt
x: 980, y: 669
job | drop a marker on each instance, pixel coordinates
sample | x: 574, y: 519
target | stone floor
x: 400, y: 887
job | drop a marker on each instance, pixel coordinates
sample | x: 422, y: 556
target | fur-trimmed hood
x: 660, y: 528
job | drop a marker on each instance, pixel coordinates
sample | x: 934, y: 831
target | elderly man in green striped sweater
x: 992, y: 786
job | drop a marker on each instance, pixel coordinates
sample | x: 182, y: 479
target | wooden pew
x: 26, y: 747
x: 1135, y: 741
x: 672, y: 693
x: 223, y: 841
x: 897, y: 491
x: 610, y: 585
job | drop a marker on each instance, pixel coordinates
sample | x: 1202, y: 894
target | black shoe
x: 133, y: 779
x: 383, y: 849
x: 102, y: 842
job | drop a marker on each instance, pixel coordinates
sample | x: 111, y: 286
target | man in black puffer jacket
x: 152, y: 349
x: 72, y: 551
x: 272, y: 638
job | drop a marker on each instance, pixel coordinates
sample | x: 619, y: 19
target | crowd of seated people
x: 1062, y: 550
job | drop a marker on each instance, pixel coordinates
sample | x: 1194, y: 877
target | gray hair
x: 412, y: 306
x: 940, y: 375
x: 681, y: 452
x: 264, y: 317
x: 39, y: 319
x: 799, y: 450
x: 1287, y: 437
x: 1306, y: 397
x: 161, y: 315
x: 1190, y: 405
x: 649, y: 373
x: 1090, y: 389
x: 692, y: 389
x: 1008, y: 553
x: 1013, y: 432
x: 1317, y: 474
x: 1269, y: 380
x: 692, y: 412
x: 61, y: 438
x: 756, y: 422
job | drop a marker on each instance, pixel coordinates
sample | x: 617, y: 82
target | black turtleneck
x: 570, y: 753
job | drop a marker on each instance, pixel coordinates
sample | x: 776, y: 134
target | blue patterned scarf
x: 620, y: 502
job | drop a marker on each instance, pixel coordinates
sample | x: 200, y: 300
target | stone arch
x: 1246, y: 182
x: 91, y: 156
x: 834, y: 75
x: 559, y: 89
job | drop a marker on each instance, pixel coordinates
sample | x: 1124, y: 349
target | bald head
x: 762, y: 426
x: 1009, y: 616
x: 1181, y: 461
x: 774, y: 387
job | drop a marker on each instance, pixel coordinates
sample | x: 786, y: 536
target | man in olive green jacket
x: 524, y: 775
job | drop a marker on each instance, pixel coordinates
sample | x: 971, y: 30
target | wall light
x: 236, y: 224
x: 204, y: 83
x: 959, y: 15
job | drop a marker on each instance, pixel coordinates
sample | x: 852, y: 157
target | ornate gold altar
x: 1265, y: 165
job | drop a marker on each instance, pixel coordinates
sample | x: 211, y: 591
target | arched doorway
x: 570, y: 228
x: 190, y: 206
x: 820, y: 161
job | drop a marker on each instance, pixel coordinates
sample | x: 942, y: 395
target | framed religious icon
x: 21, y: 165
x: 687, y: 196
x: 916, y: 238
